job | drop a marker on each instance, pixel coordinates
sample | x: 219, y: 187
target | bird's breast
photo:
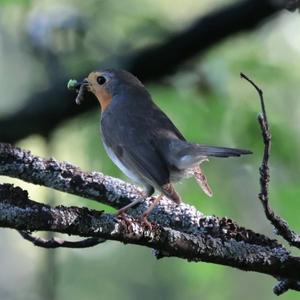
x: 119, y: 163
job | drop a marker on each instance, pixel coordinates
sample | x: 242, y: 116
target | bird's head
x: 106, y: 84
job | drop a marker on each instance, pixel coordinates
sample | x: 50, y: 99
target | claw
x: 146, y: 222
x: 125, y: 220
x: 144, y: 218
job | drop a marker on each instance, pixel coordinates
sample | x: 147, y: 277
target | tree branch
x: 20, y: 213
x: 282, y: 227
x: 285, y: 285
x: 65, y: 177
x: 45, y: 110
x: 56, y: 242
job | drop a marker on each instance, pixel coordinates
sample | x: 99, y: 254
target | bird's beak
x: 82, y: 89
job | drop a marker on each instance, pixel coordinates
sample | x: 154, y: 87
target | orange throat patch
x: 104, y: 98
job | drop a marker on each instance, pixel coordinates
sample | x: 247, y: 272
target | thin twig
x: 261, y: 97
x: 280, y: 224
x: 60, y: 243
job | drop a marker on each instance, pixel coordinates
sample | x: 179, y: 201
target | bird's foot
x: 145, y: 222
x: 125, y: 220
x: 128, y: 206
x: 144, y: 218
x: 151, y: 199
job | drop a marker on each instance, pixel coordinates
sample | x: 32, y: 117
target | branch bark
x: 44, y: 111
x: 18, y: 212
x: 17, y: 163
x: 181, y: 231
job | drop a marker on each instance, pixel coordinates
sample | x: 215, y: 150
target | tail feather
x: 220, y: 151
x: 184, y: 155
x: 193, y: 154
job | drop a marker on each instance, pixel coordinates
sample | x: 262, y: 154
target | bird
x: 140, y: 138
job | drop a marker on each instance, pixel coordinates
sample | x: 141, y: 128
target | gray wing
x: 134, y: 144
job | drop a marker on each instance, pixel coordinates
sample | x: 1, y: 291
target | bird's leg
x: 122, y: 210
x: 149, y: 210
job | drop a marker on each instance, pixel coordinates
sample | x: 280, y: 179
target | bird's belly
x: 177, y: 175
x: 121, y: 166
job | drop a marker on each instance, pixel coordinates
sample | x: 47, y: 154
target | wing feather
x: 136, y: 136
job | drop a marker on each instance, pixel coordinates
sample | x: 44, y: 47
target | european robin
x: 141, y: 140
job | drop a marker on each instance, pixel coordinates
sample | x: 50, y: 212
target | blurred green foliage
x: 207, y: 101
x: 13, y: 2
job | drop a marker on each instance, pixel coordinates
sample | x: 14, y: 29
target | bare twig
x: 60, y: 243
x: 280, y: 224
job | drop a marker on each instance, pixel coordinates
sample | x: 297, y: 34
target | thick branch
x: 22, y: 164
x: 44, y: 111
x: 18, y: 212
x: 65, y: 177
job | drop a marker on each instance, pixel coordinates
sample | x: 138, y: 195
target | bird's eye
x: 101, y: 80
